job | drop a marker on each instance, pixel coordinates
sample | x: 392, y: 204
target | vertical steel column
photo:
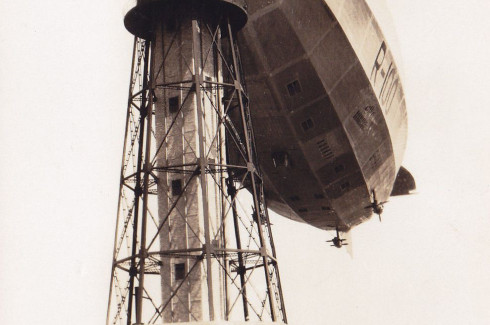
x: 232, y: 192
x: 121, y: 181
x: 138, y: 190
x: 198, y: 83
x: 252, y: 170
x: 276, y: 266
x: 146, y: 178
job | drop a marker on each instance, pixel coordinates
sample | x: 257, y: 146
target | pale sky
x: 64, y: 75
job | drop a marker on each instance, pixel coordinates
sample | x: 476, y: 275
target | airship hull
x: 327, y: 105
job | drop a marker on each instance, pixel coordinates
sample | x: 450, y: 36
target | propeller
x: 376, y: 206
x: 337, y: 241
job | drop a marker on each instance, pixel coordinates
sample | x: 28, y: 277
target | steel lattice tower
x: 193, y: 239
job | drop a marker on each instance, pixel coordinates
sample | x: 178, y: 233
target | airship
x: 327, y: 105
x: 328, y: 110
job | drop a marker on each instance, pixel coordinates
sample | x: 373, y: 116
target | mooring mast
x: 193, y: 239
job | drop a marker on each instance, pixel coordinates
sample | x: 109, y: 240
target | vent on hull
x: 364, y: 117
x: 325, y: 149
x: 360, y: 120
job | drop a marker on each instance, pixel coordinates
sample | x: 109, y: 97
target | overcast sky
x: 64, y: 74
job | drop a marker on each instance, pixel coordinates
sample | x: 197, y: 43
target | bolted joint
x: 241, y: 270
x: 231, y: 189
x: 196, y: 80
x: 138, y: 190
x: 238, y: 86
x: 154, y: 96
x: 143, y: 253
x: 250, y: 167
x: 211, y: 248
x: 197, y: 171
x: 144, y: 111
x: 133, y: 271
x: 147, y: 167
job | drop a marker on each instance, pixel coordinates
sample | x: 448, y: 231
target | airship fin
x: 404, y: 183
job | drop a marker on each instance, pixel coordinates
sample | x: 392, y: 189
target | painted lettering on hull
x: 384, y: 77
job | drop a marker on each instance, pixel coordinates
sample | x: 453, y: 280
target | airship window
x: 173, y: 104
x: 303, y: 210
x: 370, y: 110
x: 294, y: 198
x: 326, y: 209
x: 294, y: 88
x: 344, y: 186
x: 360, y: 120
x: 280, y: 159
x: 179, y: 270
x: 308, y: 124
x: 339, y: 168
x: 319, y: 196
x: 176, y: 187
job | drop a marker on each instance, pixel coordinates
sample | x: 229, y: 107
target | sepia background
x: 64, y: 75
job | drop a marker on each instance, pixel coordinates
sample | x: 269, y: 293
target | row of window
x: 317, y: 196
x: 361, y: 119
x: 324, y: 208
x: 343, y: 187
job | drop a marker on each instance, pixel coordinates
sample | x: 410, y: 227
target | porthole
x: 307, y: 124
x: 294, y: 88
x: 344, y: 186
x: 339, y: 168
